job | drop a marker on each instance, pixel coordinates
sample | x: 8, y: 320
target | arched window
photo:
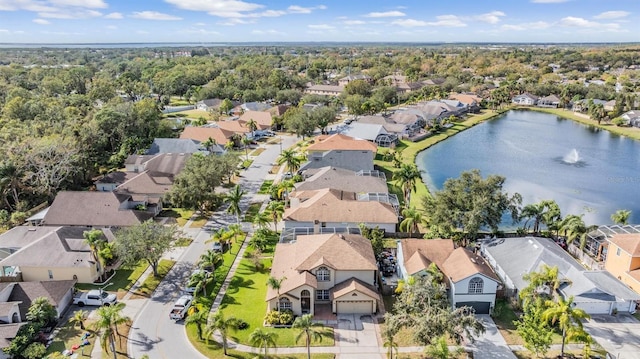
x: 475, y: 285
x: 323, y: 274
x: 284, y: 304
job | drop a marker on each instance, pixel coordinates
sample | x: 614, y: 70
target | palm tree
x: 440, y: 349
x: 252, y: 125
x: 309, y: 329
x: 621, y: 216
x: 220, y: 235
x: 199, y: 319
x: 200, y: 280
x: 263, y: 339
x: 223, y: 326
x: 210, y: 259
x: 234, y: 231
x: 408, y: 175
x: 107, y: 323
x: 546, y: 277
x: 94, y: 238
x: 389, y: 339
x: 291, y: 159
x: 229, y: 145
x: 276, y: 210
x: 275, y: 284
x: 233, y: 198
x: 284, y: 187
x: 574, y: 227
x: 117, y: 317
x: 209, y: 144
x: 79, y: 317
x: 537, y: 212
x: 245, y: 143
x: 411, y: 221
x: 566, y: 315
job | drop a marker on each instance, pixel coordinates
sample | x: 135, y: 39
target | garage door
x: 594, y: 307
x: 479, y: 307
x: 355, y: 306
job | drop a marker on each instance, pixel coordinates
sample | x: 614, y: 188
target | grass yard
x: 245, y: 299
x: 151, y: 283
x: 504, y: 322
x: 265, y: 186
x: 122, y: 281
x: 183, y: 242
x: 180, y: 215
x: 70, y: 335
x: 195, y: 114
x: 552, y: 354
x: 121, y: 344
x: 257, y: 151
x: 251, y: 212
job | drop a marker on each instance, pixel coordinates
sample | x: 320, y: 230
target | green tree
x: 96, y: 241
x: 233, y: 198
x: 376, y: 236
x: 199, y: 319
x: 291, y: 159
x: 263, y: 339
x: 407, y: 175
x: 533, y: 329
x: 41, y: 311
x: 245, y: 143
x: 200, y: 280
x: 252, y: 125
x: 543, y: 282
x: 411, y: 221
x: 388, y: 335
x: 440, y: 349
x: 79, y: 316
x: 223, y: 325
x: 310, y: 330
x: 566, y: 316
x: 275, y: 209
x: 210, y: 260
x: 573, y: 227
x: 358, y: 87
x: 621, y: 217
x: 147, y: 241
x: 275, y: 284
x: 35, y: 351
x: 538, y: 212
x: 108, y: 319
x: 470, y: 202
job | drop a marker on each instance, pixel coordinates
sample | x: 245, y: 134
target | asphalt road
x: 152, y: 332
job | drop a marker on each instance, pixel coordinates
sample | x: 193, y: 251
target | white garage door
x: 355, y: 306
x: 594, y: 307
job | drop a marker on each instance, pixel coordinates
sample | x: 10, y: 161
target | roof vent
x: 341, y: 236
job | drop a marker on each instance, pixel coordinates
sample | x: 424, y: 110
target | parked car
x: 94, y: 297
x: 217, y: 246
x: 181, y: 307
x: 288, y: 175
x: 192, y: 289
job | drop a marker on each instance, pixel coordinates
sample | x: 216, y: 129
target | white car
x: 94, y: 297
x: 217, y: 246
x: 192, y: 289
x: 181, y: 307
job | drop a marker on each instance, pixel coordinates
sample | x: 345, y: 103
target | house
x: 176, y: 145
x: 263, y: 119
x: 472, y: 100
x: 389, y: 125
x: 98, y: 209
x: 210, y: 104
x: 632, y: 118
x: 583, y: 105
x: 165, y: 163
x: 333, y: 270
x: 148, y: 188
x: 7, y: 333
x: 401, y: 84
x: 470, y: 280
x: 343, y: 180
x: 623, y: 260
x: 370, y: 132
x: 50, y: 253
x: 204, y: 134
x: 596, y: 292
x: 250, y: 106
x: 58, y: 292
x: 325, y: 90
x: 345, y: 80
x: 548, y: 101
x: 109, y: 181
x: 329, y: 208
x: 341, y: 151
x: 525, y: 99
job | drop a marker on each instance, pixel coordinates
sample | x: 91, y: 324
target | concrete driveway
x: 491, y: 344
x: 617, y: 334
x: 357, y: 338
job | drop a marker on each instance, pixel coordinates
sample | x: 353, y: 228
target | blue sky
x: 98, y: 21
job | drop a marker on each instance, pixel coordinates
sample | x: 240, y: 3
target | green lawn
x: 245, y: 300
x: 252, y: 211
x: 151, y: 283
x: 183, y: 242
x: 265, y: 186
x: 504, y: 322
x: 257, y: 151
x: 181, y: 215
x: 70, y: 335
x: 122, y: 281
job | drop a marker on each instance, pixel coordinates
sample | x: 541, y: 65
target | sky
x: 222, y: 21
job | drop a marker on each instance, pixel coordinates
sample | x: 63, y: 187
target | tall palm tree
x: 276, y: 210
x: 573, y: 227
x: 621, y: 216
x: 407, y: 175
x: 199, y: 319
x: 210, y: 259
x: 233, y: 198
x: 229, y: 145
x: 261, y: 220
x: 311, y: 331
x: 389, y: 340
x: 94, y: 238
x: 275, y: 284
x: 411, y: 221
x: 209, y: 144
x: 537, y: 211
x: 200, y: 280
x: 290, y: 158
x: 566, y: 316
x: 117, y: 317
x: 252, y: 125
x: 223, y: 326
x: 284, y: 187
x: 245, y: 143
x: 263, y: 339
x: 107, y: 324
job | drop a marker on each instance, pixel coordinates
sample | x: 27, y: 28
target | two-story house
x: 341, y: 151
x: 337, y: 271
x: 623, y: 259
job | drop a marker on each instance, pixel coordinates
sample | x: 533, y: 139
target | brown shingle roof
x: 341, y: 252
x: 202, y: 134
x: 341, y: 142
x: 425, y: 251
x: 8, y: 332
x: 146, y: 183
x: 462, y: 264
x: 234, y: 126
x: 99, y: 209
x: 628, y: 242
x: 26, y: 292
x: 351, y: 285
x: 327, y: 205
x: 262, y: 118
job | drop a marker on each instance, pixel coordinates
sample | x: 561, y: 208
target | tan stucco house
x: 623, y: 259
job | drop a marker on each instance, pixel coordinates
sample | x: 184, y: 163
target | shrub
x: 286, y: 317
x: 242, y: 324
x: 272, y: 317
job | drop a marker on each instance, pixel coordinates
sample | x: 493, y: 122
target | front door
x: 305, y: 301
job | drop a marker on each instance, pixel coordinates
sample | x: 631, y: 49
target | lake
x: 585, y: 170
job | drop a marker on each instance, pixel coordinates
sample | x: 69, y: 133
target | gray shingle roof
x: 175, y: 145
x: 343, y: 180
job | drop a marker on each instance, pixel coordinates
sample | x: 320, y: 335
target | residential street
x: 152, y: 332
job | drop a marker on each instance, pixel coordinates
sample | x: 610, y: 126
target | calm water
x: 586, y: 171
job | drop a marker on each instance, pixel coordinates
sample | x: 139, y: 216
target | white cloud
x: 490, y: 17
x: 612, y: 15
x: 201, y: 32
x: 200, y: 24
x: 409, y: 23
x: 267, y: 32
x: 154, y: 15
x: 114, y: 15
x: 80, y: 3
x: 549, y: 1
x: 235, y: 21
x: 447, y: 21
x: 537, y: 25
x: 70, y: 14
x: 267, y: 13
x: 386, y: 14
x: 354, y: 22
x: 221, y: 8
x: 41, y: 21
x: 4, y: 30
x: 571, y: 21
x: 296, y: 9
x: 321, y: 27
x: 27, y: 5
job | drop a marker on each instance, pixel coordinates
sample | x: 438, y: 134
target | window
x: 475, y: 286
x: 618, y: 252
x: 285, y: 304
x: 50, y: 274
x: 323, y: 274
x: 322, y: 294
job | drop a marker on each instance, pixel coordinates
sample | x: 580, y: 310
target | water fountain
x: 572, y: 157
